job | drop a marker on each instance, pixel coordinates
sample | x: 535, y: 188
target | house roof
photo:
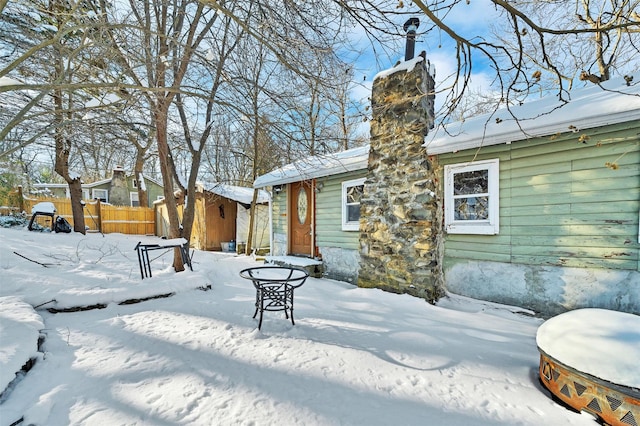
x: 594, y: 106
x: 240, y: 194
x: 589, y: 107
x: 316, y: 167
x: 50, y: 185
x: 90, y: 184
x: 66, y: 185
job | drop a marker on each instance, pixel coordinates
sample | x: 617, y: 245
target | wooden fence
x: 100, y: 217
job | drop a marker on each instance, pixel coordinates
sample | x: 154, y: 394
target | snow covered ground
x: 355, y: 356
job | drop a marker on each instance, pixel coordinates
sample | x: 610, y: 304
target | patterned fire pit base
x: 612, y: 404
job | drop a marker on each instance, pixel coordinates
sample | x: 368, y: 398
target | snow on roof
x: 599, y: 342
x: 590, y: 107
x: 240, y: 194
x: 66, y: 185
x: 317, y: 166
x: 91, y: 184
x: 50, y: 185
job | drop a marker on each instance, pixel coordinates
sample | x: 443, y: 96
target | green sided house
x: 541, y: 213
x: 315, y: 210
x: 120, y: 190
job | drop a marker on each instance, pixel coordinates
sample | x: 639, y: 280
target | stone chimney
x: 400, y: 212
x: 118, y: 189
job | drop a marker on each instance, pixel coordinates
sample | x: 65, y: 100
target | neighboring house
x: 223, y: 216
x: 121, y: 189
x: 546, y: 219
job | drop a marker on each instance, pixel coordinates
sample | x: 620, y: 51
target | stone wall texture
x: 118, y: 190
x: 400, y: 212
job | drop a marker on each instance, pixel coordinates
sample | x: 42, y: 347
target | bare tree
x: 58, y: 53
x: 170, y: 35
x: 221, y: 47
x: 252, y: 88
x: 588, y: 56
x: 527, y: 43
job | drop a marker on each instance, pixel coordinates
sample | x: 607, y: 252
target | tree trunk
x: 188, y: 216
x: 160, y: 120
x: 143, y: 197
x: 77, y: 206
x: 63, y: 150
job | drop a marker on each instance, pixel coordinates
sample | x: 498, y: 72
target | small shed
x: 223, y: 216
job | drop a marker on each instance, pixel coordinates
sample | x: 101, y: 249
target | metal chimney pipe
x: 410, y: 27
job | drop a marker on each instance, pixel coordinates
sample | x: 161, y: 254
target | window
x: 135, y: 201
x: 471, y: 198
x: 351, y: 195
x: 101, y: 194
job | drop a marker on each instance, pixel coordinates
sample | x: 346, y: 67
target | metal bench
x: 143, y: 253
x: 275, y: 287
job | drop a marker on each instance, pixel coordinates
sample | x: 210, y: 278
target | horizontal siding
x: 574, y: 241
x: 329, y: 231
x: 564, y: 219
x: 479, y: 247
x: 560, y: 204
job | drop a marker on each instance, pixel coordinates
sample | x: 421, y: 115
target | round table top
x: 271, y: 274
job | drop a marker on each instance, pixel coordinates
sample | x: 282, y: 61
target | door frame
x: 292, y: 215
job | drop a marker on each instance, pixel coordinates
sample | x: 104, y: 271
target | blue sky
x: 467, y: 19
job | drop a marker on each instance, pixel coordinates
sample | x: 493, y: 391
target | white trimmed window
x: 471, y: 199
x: 351, y: 194
x: 101, y: 194
x: 135, y: 201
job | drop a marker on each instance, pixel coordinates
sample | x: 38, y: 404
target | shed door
x: 300, y: 206
x: 219, y: 222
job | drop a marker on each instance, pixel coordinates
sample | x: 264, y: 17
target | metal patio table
x: 275, y: 286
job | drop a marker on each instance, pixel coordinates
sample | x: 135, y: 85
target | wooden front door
x: 300, y: 208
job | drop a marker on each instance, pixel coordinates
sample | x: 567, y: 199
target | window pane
x: 471, y: 208
x: 100, y: 194
x: 302, y: 205
x: 475, y: 182
x: 353, y: 213
x: 354, y: 194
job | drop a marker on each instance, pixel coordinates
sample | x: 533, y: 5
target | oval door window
x: 302, y: 205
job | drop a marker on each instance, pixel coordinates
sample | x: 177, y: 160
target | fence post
x: 20, y: 198
x: 99, y: 214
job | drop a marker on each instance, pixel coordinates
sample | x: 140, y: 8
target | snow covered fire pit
x: 590, y: 360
